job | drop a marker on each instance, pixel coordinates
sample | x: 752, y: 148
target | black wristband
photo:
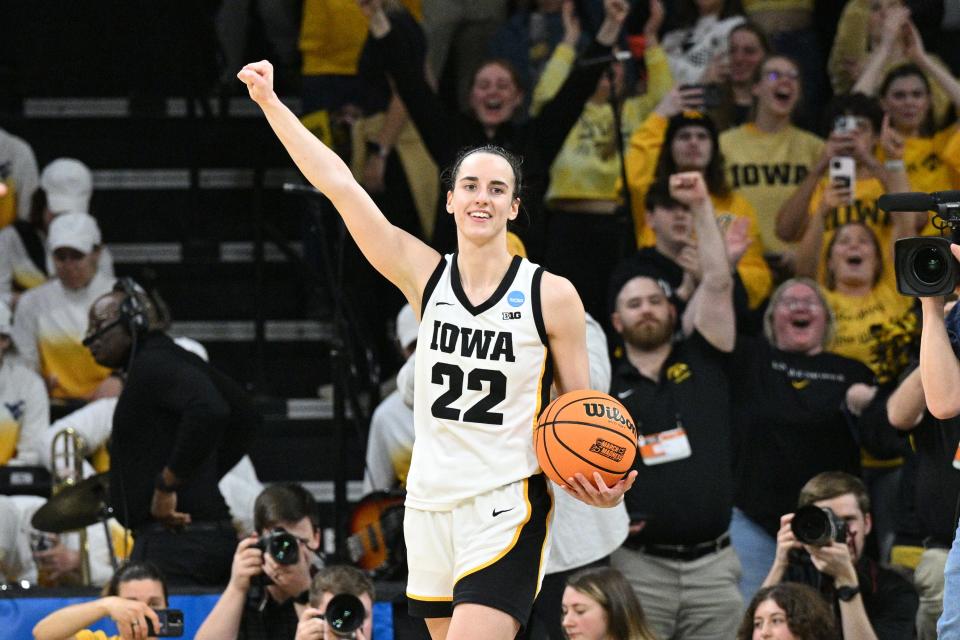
x: 160, y: 485
x: 847, y: 593
x: 376, y: 149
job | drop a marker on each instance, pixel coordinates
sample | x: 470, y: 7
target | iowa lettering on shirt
x: 768, y: 175
x: 472, y: 343
x: 859, y: 211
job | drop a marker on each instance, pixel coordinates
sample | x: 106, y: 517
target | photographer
x: 266, y: 596
x: 327, y: 584
x: 940, y: 378
x: 869, y: 600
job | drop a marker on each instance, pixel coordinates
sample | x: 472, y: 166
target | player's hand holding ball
x: 586, y: 442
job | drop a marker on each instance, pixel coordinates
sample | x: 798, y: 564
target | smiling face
x: 746, y: 52
x: 778, y: 89
x: 907, y: 102
x: 799, y: 320
x: 853, y: 259
x: 644, y: 316
x: 691, y: 148
x: 482, y: 199
x: 770, y: 622
x: 583, y: 617
x: 494, y: 96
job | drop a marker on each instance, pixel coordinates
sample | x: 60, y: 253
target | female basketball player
x: 493, y: 329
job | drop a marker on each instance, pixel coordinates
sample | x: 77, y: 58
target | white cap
x: 6, y: 319
x: 68, y: 184
x: 74, y: 230
x: 407, y: 327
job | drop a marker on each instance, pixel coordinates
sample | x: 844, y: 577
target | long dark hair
x: 136, y: 571
x: 713, y: 173
x: 830, y: 278
x: 929, y: 125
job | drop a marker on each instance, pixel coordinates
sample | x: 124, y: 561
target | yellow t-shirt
x: 933, y: 164
x: 753, y: 6
x: 765, y: 168
x: 49, y: 325
x: 864, y: 209
x: 333, y: 33
x: 86, y: 634
x: 878, y: 329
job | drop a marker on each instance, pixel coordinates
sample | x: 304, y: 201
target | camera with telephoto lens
x: 818, y: 526
x: 344, y: 615
x: 924, y: 266
x: 281, y: 544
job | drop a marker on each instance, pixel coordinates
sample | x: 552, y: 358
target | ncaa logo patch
x: 515, y: 298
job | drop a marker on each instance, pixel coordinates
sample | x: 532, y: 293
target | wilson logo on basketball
x: 597, y: 410
x: 608, y: 450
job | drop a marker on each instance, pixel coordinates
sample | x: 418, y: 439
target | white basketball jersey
x: 483, y: 374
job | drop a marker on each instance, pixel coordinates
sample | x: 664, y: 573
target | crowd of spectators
x: 755, y: 333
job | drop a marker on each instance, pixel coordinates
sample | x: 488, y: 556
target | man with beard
x: 678, y: 556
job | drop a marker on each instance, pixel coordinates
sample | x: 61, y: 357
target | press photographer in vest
x: 178, y: 427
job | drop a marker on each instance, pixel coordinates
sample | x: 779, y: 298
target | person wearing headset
x: 178, y: 427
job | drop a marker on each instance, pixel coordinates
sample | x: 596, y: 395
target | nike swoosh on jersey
x: 443, y: 304
x: 625, y: 394
x: 496, y: 513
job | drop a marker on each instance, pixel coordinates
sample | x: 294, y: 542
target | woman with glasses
x: 767, y: 158
x: 791, y: 404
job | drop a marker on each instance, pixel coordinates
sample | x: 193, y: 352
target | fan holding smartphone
x: 135, y: 599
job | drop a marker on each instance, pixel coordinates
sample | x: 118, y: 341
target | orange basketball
x: 585, y: 431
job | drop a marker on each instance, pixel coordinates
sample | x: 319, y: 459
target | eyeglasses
x: 773, y: 75
x: 795, y: 304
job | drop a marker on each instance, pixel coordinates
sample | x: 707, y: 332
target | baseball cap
x: 68, y: 184
x: 74, y: 230
x: 407, y: 326
x: 6, y: 320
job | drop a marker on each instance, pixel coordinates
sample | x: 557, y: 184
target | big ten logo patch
x: 511, y: 315
x: 679, y: 372
x: 608, y: 450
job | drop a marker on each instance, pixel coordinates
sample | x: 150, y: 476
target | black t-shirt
x: 937, y: 480
x: 686, y: 501
x: 789, y: 425
x: 266, y: 619
x: 889, y: 600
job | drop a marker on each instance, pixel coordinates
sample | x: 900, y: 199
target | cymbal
x: 74, y: 507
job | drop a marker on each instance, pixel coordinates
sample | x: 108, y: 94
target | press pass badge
x: 666, y: 446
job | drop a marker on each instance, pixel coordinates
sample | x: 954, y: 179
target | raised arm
x: 872, y: 74
x: 906, y: 405
x: 128, y: 614
x: 939, y: 368
x: 713, y: 301
x: 942, y: 76
x: 400, y: 257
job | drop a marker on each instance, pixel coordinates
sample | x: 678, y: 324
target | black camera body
x: 171, y: 624
x: 924, y: 266
x: 818, y: 526
x: 282, y: 545
x: 345, y: 614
